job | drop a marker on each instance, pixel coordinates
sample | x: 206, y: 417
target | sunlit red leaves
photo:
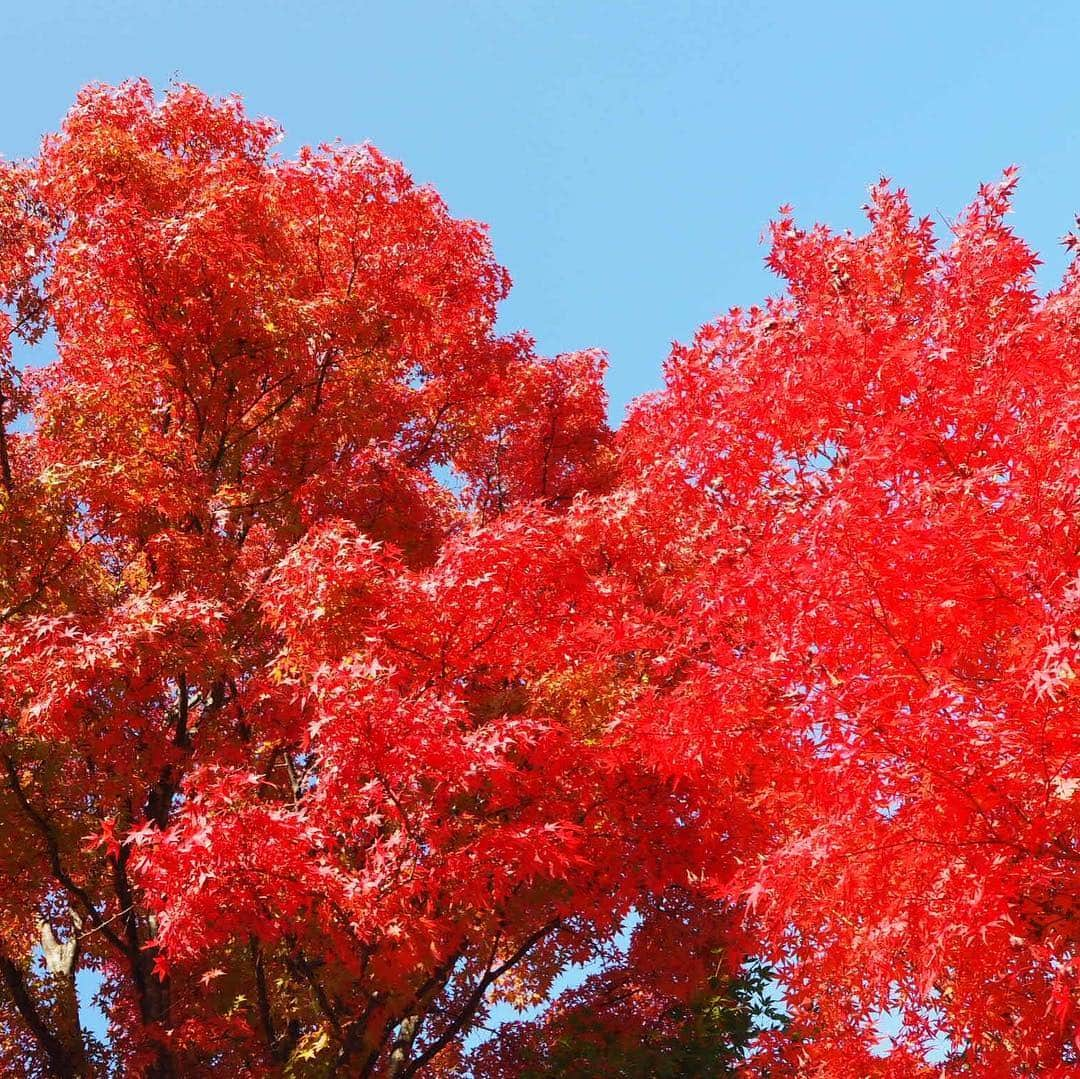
x: 248, y: 310
x: 549, y: 438
x: 71, y: 678
x: 319, y: 709
x: 349, y: 656
x: 883, y: 452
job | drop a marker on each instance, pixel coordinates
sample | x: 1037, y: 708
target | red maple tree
x: 315, y: 757
x: 888, y: 545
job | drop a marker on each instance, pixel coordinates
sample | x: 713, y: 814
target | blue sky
x: 626, y: 155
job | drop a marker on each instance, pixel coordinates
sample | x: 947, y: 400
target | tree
x: 888, y: 460
x: 307, y: 752
x: 358, y: 677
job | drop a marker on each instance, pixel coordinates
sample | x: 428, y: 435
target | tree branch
x: 473, y: 1000
x: 52, y: 846
x: 56, y: 1052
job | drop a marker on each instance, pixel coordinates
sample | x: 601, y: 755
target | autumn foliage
x: 359, y: 681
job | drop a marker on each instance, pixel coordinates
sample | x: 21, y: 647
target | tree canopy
x: 359, y: 679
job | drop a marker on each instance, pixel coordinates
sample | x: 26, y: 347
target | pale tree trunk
x: 61, y: 964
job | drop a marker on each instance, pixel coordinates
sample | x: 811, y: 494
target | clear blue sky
x: 626, y: 155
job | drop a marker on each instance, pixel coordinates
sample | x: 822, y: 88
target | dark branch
x: 474, y: 999
x: 59, y: 1058
x: 52, y: 846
